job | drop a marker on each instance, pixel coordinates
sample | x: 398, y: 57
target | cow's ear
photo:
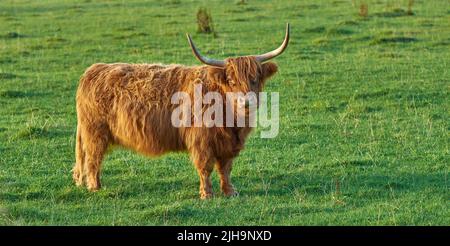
x: 269, y: 69
x: 217, y: 75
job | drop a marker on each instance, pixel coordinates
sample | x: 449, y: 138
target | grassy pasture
x: 364, y: 113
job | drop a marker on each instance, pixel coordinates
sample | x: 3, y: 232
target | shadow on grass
x: 394, y: 13
x: 7, y: 60
x: 318, y: 29
x: 35, y: 132
x: 12, y: 35
x: 364, y: 187
x: 13, y: 94
x: 166, y: 200
x: 7, y: 76
x: 399, y: 39
x: 269, y: 184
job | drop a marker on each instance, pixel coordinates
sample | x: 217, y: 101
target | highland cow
x: 130, y: 105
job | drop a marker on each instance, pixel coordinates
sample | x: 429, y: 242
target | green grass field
x: 364, y: 113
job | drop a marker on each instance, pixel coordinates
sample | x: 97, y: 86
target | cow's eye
x: 253, y: 82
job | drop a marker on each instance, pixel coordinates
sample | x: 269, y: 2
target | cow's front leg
x: 204, y: 168
x: 224, y: 169
x: 205, y: 182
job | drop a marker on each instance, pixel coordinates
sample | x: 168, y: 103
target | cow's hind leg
x: 95, y: 140
x: 77, y: 170
x: 224, y: 169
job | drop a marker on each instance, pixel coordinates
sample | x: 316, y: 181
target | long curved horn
x: 272, y: 54
x: 204, y: 59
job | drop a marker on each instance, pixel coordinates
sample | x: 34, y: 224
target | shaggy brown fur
x: 129, y: 105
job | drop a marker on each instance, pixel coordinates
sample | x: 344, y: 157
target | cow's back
x: 134, y: 101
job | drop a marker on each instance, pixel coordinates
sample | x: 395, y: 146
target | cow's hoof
x: 205, y: 196
x: 78, y: 183
x: 231, y: 193
x: 77, y: 178
x: 93, y: 187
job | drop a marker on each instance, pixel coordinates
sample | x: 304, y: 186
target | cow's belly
x: 149, y: 132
